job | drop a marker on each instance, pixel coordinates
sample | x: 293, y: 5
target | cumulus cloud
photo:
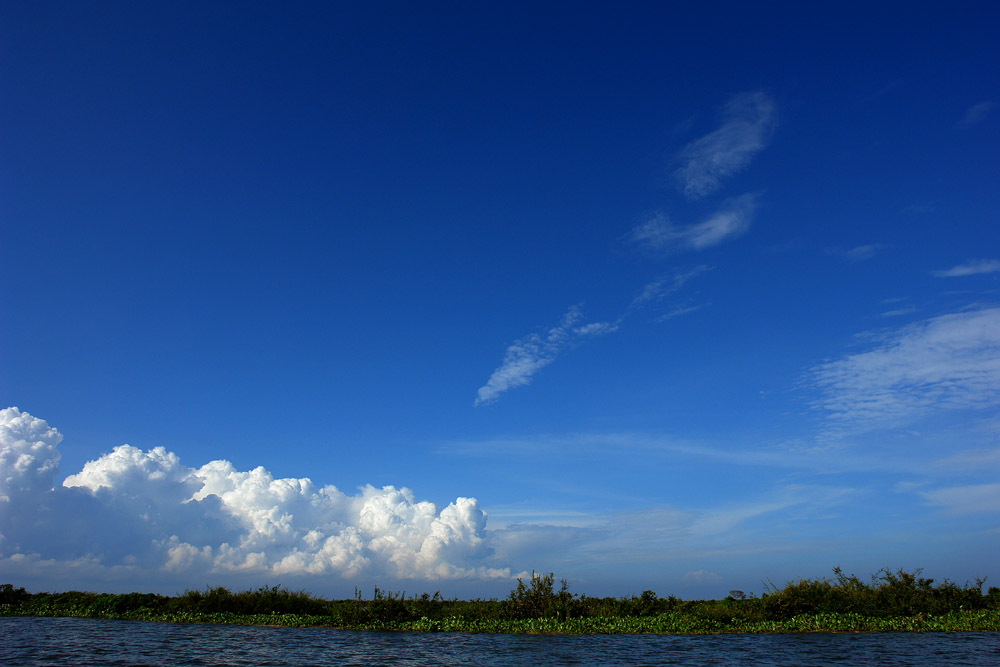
x: 145, y: 511
x: 747, y: 122
x: 948, y: 362
x: 730, y: 220
x: 970, y: 268
x: 29, y: 459
x: 528, y: 355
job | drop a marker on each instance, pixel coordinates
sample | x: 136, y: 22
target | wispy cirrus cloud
x: 970, y: 268
x: 976, y: 114
x: 862, y: 252
x: 947, y: 362
x: 528, y: 355
x: 682, y: 535
x: 967, y: 499
x: 747, y: 122
x: 898, y: 312
x: 857, y: 253
x: 730, y: 220
x: 662, y: 287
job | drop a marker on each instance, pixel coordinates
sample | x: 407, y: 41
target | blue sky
x: 679, y: 297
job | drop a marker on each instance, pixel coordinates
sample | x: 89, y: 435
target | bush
x: 898, y: 593
x: 539, y: 600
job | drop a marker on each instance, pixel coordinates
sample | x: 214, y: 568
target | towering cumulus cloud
x: 140, y: 510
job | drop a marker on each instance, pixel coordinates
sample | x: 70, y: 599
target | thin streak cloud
x: 976, y: 114
x: 747, y: 122
x: 732, y: 219
x: 661, y: 288
x: 526, y: 356
x: 971, y: 268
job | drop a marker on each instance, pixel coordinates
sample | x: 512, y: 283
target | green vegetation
x: 890, y: 602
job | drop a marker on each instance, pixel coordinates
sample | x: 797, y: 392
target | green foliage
x: 12, y: 596
x: 889, y: 593
x: 264, y: 600
x: 539, y: 599
x: 896, y: 601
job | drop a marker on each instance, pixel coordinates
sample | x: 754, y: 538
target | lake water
x: 80, y: 642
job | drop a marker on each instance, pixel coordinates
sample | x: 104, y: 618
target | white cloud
x: 919, y: 209
x: 730, y: 220
x: 970, y: 268
x: 703, y: 577
x: 898, y: 312
x: 969, y: 499
x: 146, y: 512
x: 862, y: 252
x: 29, y: 459
x: 661, y: 288
x: 856, y: 254
x: 747, y: 122
x: 971, y: 460
x: 645, y: 539
x: 524, y: 358
x: 976, y: 114
x: 948, y: 362
x: 677, y: 311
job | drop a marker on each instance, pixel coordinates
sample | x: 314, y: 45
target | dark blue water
x: 67, y: 641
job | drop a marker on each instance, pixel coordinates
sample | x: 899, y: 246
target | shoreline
x: 661, y: 624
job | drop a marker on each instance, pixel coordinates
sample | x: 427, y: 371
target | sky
x: 687, y: 297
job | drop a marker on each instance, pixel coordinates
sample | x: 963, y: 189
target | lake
x: 80, y: 642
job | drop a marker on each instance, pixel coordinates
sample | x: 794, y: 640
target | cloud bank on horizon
x: 134, y: 510
x: 134, y: 513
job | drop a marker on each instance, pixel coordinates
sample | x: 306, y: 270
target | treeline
x: 890, y: 600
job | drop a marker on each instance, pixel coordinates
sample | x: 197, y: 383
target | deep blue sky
x: 687, y: 295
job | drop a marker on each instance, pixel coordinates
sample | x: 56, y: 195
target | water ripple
x: 35, y: 642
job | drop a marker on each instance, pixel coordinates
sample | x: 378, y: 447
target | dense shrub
x: 264, y: 600
x: 13, y: 596
x: 538, y: 599
x: 891, y: 599
x: 889, y: 593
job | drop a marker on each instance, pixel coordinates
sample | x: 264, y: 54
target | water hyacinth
x: 891, y: 602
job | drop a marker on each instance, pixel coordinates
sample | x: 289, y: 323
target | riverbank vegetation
x: 891, y: 601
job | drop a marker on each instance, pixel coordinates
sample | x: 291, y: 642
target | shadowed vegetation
x: 889, y: 601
